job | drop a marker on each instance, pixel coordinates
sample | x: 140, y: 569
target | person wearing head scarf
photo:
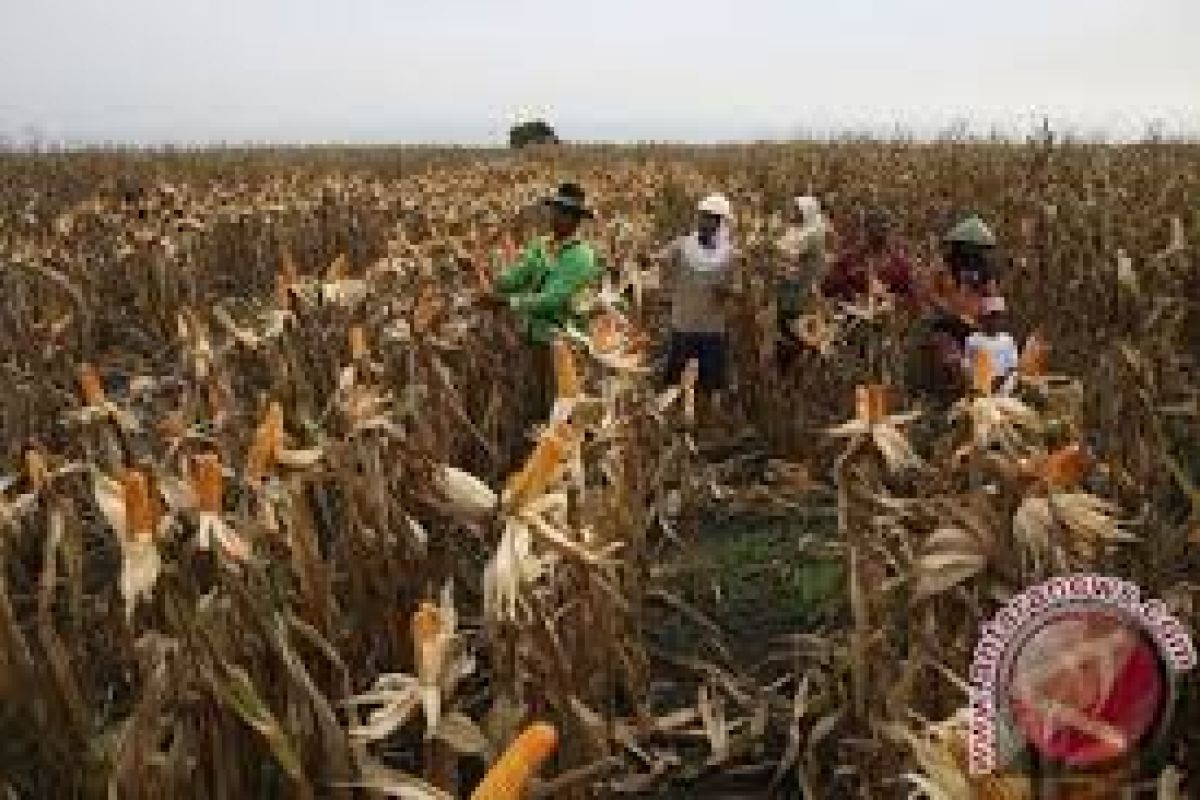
x: 877, y: 262
x: 700, y: 270
x: 802, y: 248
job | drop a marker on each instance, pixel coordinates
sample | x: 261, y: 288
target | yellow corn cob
x: 981, y: 373
x: 510, y: 775
x: 541, y: 467
x: 206, y: 482
x: 90, y: 386
x: 358, y: 343
x: 36, y: 471
x: 287, y: 277
x: 268, y: 441
x: 565, y: 374
x: 139, y: 510
x: 605, y: 333
x: 427, y: 625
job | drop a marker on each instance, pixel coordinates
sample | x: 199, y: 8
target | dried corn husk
x: 941, y: 753
x: 466, y: 494
x: 1080, y: 524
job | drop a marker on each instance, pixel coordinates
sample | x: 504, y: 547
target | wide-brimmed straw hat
x: 570, y: 197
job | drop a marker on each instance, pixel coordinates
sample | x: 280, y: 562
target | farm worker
x: 956, y: 301
x: 994, y: 339
x: 970, y: 277
x: 547, y: 286
x: 803, y: 248
x: 698, y: 276
x: 877, y: 263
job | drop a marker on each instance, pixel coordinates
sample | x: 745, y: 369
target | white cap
x: 808, y: 206
x: 716, y: 204
x: 993, y: 305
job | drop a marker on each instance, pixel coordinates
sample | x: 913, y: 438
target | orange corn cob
x: 36, y: 471
x: 541, y: 467
x: 565, y: 374
x: 139, y: 510
x: 510, y: 775
x: 427, y: 624
x: 358, y: 343
x: 1065, y: 468
x: 287, y: 277
x: 338, y: 270
x: 605, y: 332
x: 982, y: 372
x: 90, y: 386
x: 206, y: 482
x: 1035, y: 358
x: 268, y: 441
x: 862, y: 403
x: 877, y: 402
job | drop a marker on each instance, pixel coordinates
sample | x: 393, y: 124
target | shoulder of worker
x: 579, y: 255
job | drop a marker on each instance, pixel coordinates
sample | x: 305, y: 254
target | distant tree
x: 534, y: 132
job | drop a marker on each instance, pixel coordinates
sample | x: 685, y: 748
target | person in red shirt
x: 876, y: 257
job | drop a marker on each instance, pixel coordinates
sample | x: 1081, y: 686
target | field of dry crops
x: 277, y: 518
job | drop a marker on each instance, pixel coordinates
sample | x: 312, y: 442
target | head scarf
x: 714, y: 257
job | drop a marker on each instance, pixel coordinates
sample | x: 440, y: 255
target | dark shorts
x: 711, y: 353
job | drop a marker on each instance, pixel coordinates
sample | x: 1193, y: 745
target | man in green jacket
x: 548, y: 285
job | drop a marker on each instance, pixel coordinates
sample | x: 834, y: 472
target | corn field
x: 279, y: 516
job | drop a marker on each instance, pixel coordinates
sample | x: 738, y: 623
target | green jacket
x: 543, y: 286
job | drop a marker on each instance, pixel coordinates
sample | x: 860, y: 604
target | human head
x: 712, y: 212
x: 969, y: 247
x: 567, y: 210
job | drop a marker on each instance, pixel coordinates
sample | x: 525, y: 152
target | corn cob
x: 358, y: 343
x: 90, y: 386
x: 139, y: 510
x: 206, y: 482
x: 565, y: 374
x: 36, y: 471
x: 541, y: 468
x: 268, y: 441
x: 510, y: 775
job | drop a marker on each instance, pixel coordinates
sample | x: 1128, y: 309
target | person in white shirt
x: 994, y: 338
x: 698, y: 279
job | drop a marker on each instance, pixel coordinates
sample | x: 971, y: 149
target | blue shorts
x: 711, y: 353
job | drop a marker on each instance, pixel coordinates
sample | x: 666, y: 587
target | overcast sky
x: 462, y: 70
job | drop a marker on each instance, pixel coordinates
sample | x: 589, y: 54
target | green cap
x: 972, y: 230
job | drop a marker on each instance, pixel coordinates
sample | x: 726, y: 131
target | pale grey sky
x: 461, y: 70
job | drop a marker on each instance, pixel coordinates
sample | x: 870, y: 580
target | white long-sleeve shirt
x: 1001, y: 347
